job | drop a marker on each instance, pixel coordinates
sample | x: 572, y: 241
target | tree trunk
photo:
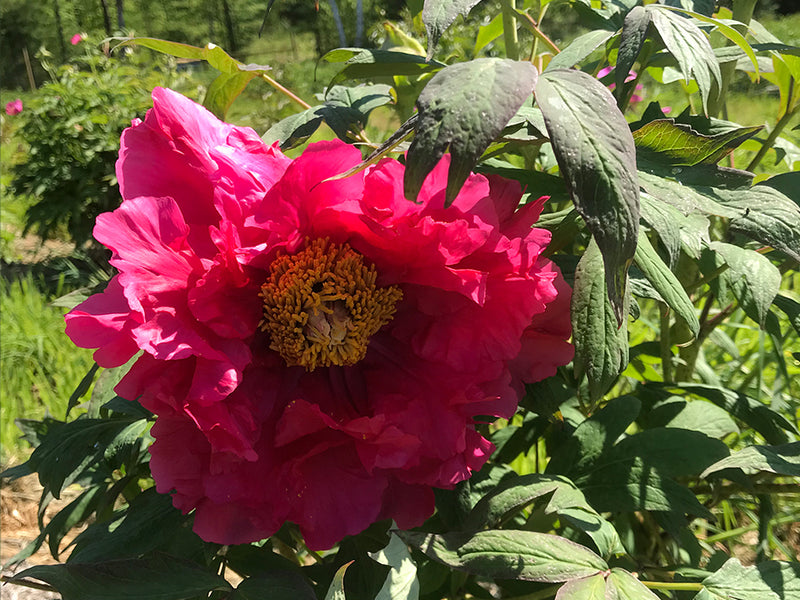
x: 226, y: 12
x: 60, y: 30
x: 106, y: 17
x: 337, y: 18
x: 120, y: 15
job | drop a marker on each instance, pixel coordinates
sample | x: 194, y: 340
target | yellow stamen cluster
x: 321, y: 305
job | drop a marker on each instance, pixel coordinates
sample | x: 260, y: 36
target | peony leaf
x: 361, y: 63
x: 275, y: 585
x: 601, y: 345
x: 781, y: 460
x: 345, y: 108
x: 768, y: 580
x: 586, y: 588
x: 700, y: 416
x: 766, y: 215
x: 149, y: 523
x: 665, y: 282
x: 680, y: 145
x: 632, y: 38
x: 597, y: 157
x: 627, y: 586
x: 226, y: 87
x: 336, y: 590
x: 675, y: 230
x: 509, y: 554
x: 580, y: 48
x: 563, y: 499
x: 464, y: 108
x: 158, y: 577
x: 438, y: 15
x: 754, y: 280
x: 690, y: 47
x: 401, y: 582
x: 770, y: 424
x: 791, y: 307
x: 684, y: 197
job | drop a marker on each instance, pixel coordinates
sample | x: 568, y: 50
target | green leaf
x: 755, y: 281
x: 665, y: 282
x: 580, y: 48
x: 509, y: 554
x: 149, y: 523
x: 690, y: 47
x: 82, y: 388
x: 684, y: 197
x: 769, y: 580
x: 781, y: 460
x: 586, y: 588
x: 464, y: 107
x: 628, y: 587
x: 680, y: 145
x: 695, y: 415
x: 765, y: 215
x: 770, y: 424
x: 438, y: 15
x: 791, y: 307
x: 159, y: 577
x: 401, y: 582
x: 634, y: 34
x: 563, y: 499
x: 601, y: 345
x: 675, y: 230
x: 336, y: 589
x: 275, y: 585
x: 597, y: 157
x: 234, y: 75
x: 69, y: 450
x: 489, y: 32
x: 361, y: 63
x: 345, y: 109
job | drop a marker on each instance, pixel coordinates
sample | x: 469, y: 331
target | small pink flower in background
x: 631, y: 76
x: 316, y: 351
x: 78, y: 38
x: 14, y: 107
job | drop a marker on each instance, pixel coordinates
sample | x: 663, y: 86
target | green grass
x: 39, y: 365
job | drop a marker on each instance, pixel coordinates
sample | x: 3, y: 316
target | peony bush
x: 538, y: 342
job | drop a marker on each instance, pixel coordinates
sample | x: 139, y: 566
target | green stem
x: 528, y: 22
x: 666, y: 346
x: 732, y: 533
x: 510, y: 29
x: 773, y: 135
x: 674, y: 585
x: 742, y: 12
x: 289, y: 94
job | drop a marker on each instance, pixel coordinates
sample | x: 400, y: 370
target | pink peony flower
x: 315, y: 351
x: 78, y: 38
x: 14, y: 107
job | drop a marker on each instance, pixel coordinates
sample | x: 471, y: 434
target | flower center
x: 321, y: 305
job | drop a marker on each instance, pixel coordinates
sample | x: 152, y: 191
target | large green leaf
x: 665, y: 282
x: 362, y: 63
x: 601, y: 344
x: 754, y: 280
x: 464, y: 107
x: 276, y: 585
x: 628, y: 587
x: 158, y: 577
x: 696, y: 415
x: 765, y: 215
x: 684, y: 197
x: 632, y: 38
x: 438, y: 15
x: 680, y: 145
x: 401, y: 582
x: 509, y: 554
x: 597, y: 158
x: 563, y: 499
x: 233, y: 78
x: 344, y: 109
x: 769, y: 580
x: 770, y: 424
x: 781, y: 460
x: 586, y: 588
x: 675, y: 229
x: 690, y: 47
x: 580, y: 48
